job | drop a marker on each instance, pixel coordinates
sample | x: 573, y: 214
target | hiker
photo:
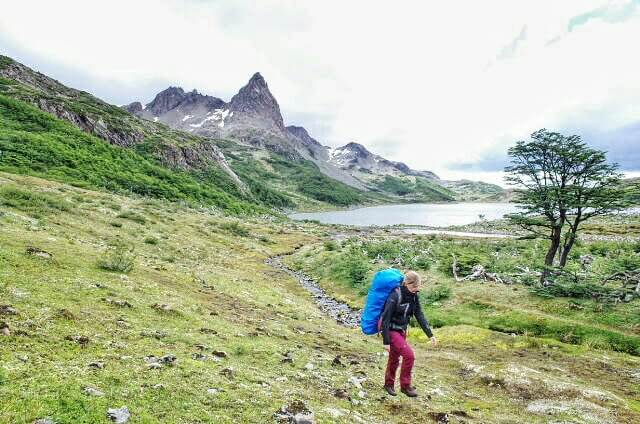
x: 401, y: 305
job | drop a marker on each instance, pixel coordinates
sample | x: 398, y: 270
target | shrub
x: 35, y: 204
x: 235, y: 228
x: 119, y: 258
x: 330, y: 245
x: 132, y: 216
x: 151, y: 240
x: 437, y: 294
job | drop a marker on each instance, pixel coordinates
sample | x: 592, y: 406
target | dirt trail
x: 337, y: 310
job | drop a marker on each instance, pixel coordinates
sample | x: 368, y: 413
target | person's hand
x: 434, y: 341
x: 387, y: 348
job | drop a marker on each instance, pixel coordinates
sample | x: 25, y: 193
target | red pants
x: 399, y: 347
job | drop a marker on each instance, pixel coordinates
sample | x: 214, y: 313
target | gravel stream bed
x: 337, y: 310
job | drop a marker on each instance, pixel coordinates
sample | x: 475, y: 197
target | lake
x: 428, y: 214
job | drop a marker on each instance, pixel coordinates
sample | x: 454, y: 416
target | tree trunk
x: 567, y: 249
x: 551, y: 253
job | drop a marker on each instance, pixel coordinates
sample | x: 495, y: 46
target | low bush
x: 118, y: 258
x: 437, y: 294
x: 33, y: 203
x: 132, y: 216
x: 235, y: 228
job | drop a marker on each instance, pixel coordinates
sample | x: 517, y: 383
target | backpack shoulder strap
x: 399, y: 295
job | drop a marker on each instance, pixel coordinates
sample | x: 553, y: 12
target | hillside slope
x: 202, y: 330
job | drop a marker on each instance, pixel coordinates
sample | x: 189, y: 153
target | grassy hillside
x: 416, y: 189
x: 35, y: 143
x: 93, y: 285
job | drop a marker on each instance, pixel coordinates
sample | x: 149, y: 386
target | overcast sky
x: 443, y: 86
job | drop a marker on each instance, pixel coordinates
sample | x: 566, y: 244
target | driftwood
x: 630, y: 283
x: 477, y: 273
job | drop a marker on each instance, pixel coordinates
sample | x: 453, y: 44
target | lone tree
x: 559, y: 183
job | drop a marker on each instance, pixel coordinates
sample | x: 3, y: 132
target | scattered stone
x: 156, y: 334
x: 98, y: 365
x: 4, y: 329
x: 342, y: 394
x: 8, y: 310
x: 228, y: 372
x: 219, y: 354
x: 118, y: 303
x: 126, y: 357
x: 213, y: 391
x: 438, y: 392
x: 439, y: 417
x: 169, y: 360
x: 65, y: 314
x: 199, y: 357
x: 282, y: 378
x: 119, y: 415
x: 158, y: 386
x: 337, y: 362
x: 202, y: 347
x: 93, y: 392
x: 163, y: 307
x: 22, y: 358
x: 362, y: 394
x: 208, y: 331
x: 309, y: 366
x: 356, y: 382
x: 288, y: 359
x: 81, y: 340
x: 336, y: 413
x: 35, y: 251
x: 297, y: 412
x: 44, y: 421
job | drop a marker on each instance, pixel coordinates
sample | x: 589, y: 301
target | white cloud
x: 422, y: 82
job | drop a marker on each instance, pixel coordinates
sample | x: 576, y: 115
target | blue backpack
x: 384, y: 282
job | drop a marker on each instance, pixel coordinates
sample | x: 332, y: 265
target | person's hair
x: 411, y: 278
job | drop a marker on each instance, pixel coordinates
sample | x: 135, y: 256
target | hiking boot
x: 390, y: 390
x: 409, y: 391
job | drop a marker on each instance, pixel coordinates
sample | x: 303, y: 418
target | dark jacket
x: 398, y: 310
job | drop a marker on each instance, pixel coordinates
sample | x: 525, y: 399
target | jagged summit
x: 254, y: 100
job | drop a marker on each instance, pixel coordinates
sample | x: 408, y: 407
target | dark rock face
x: 133, y: 108
x: 166, y: 100
x: 301, y: 134
x: 91, y: 124
x: 254, y: 100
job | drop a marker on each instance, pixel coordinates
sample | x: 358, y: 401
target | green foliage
x: 311, y: 182
x: 437, y: 294
x: 253, y: 174
x: 330, y: 245
x: 35, y: 143
x: 235, y: 228
x: 583, y: 290
x: 419, y: 188
x: 151, y: 240
x: 118, y: 258
x: 395, y: 185
x: 132, y: 216
x: 35, y: 204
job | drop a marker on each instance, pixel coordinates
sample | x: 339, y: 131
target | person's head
x: 412, y: 281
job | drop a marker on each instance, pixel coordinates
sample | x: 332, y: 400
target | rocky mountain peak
x: 301, y: 134
x: 134, y: 108
x: 256, y: 101
x: 166, y: 100
x: 357, y: 149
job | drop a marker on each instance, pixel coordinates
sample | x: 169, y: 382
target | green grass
x: 35, y: 204
x: 550, y: 312
x: 219, y: 293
